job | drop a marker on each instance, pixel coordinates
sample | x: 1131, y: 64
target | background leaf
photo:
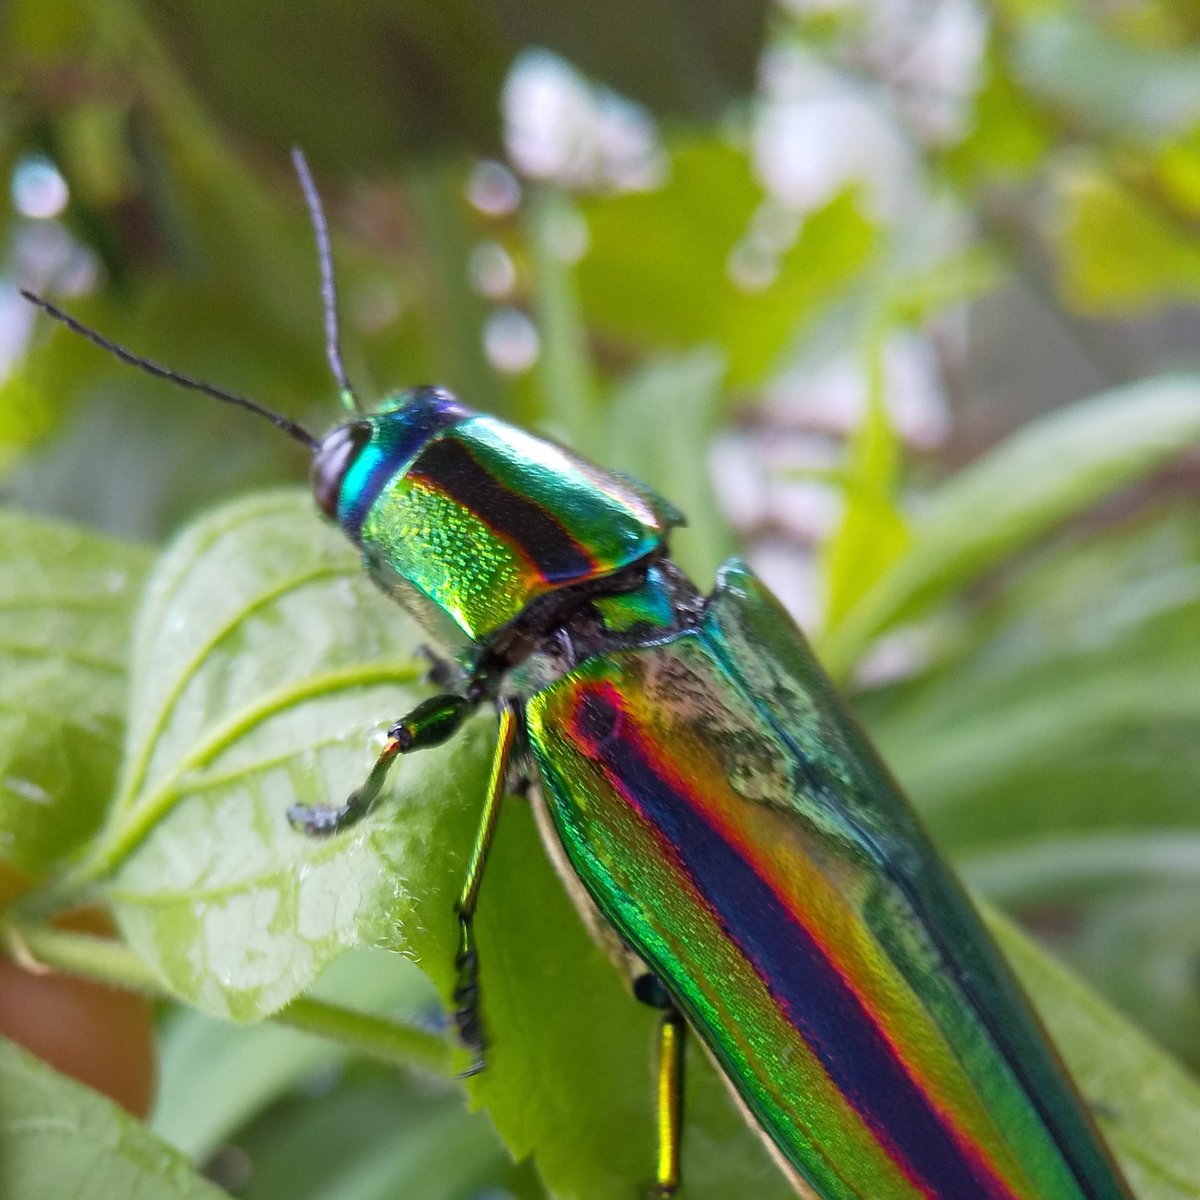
x: 1121, y: 249
x: 1048, y: 471
x: 1117, y: 83
x: 66, y: 609
x: 1147, y: 1107
x: 872, y: 533
x: 58, y: 1138
x: 303, y: 1118
x: 215, y: 1077
x: 660, y: 268
x: 690, y: 388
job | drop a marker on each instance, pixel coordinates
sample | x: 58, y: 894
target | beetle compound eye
x: 333, y: 459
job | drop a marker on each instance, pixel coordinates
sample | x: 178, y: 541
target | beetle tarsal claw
x: 476, y: 1067
x: 317, y: 820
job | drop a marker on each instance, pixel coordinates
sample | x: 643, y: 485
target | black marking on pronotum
x: 291, y: 428
x: 450, y: 467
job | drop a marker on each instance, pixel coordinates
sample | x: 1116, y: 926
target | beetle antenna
x: 329, y: 300
x: 291, y: 428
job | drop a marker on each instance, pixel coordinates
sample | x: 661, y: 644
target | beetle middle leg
x: 467, y: 1017
x: 672, y: 1038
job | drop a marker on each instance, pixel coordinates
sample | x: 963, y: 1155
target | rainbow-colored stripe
x: 726, y: 839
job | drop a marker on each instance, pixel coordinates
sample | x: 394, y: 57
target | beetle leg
x: 672, y: 1038
x: 466, y: 990
x: 429, y: 724
x: 668, y: 1088
x: 442, y: 672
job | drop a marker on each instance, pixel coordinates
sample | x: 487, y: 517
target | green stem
x: 103, y: 959
x: 382, y: 1038
x: 386, y: 1040
x: 455, y: 333
x: 565, y: 377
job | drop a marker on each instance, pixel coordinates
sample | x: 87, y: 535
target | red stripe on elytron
x: 604, y: 739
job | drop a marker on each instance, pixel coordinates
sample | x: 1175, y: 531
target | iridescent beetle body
x: 706, y: 794
x: 715, y: 812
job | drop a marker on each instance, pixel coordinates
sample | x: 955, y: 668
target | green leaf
x: 1122, y: 250
x: 1051, y: 869
x: 1139, y: 950
x: 1177, y: 172
x: 264, y: 662
x: 831, y: 251
x: 59, y: 1138
x: 1070, y: 707
x: 214, y: 1077
x: 1113, y: 84
x: 872, y: 533
x: 658, y: 271
x: 66, y: 610
x: 370, y: 1138
x: 1146, y: 1105
x: 1049, y: 470
x: 25, y: 417
x: 1010, y: 135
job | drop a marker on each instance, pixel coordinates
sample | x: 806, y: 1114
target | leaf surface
x: 67, y: 599
x: 1049, y: 470
x: 59, y: 1138
x: 266, y: 664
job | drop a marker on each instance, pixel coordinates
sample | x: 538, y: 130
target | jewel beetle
x: 719, y: 819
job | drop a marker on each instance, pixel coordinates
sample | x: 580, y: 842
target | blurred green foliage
x: 1019, y: 632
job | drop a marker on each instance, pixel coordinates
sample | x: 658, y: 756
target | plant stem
x: 384, y: 1039
x: 103, y: 959
x: 381, y: 1038
x: 567, y: 385
x: 454, y: 336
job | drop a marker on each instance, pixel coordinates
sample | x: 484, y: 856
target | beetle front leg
x: 441, y: 672
x: 429, y: 724
x: 467, y: 1017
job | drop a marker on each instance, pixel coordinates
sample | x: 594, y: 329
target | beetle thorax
x: 472, y: 523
